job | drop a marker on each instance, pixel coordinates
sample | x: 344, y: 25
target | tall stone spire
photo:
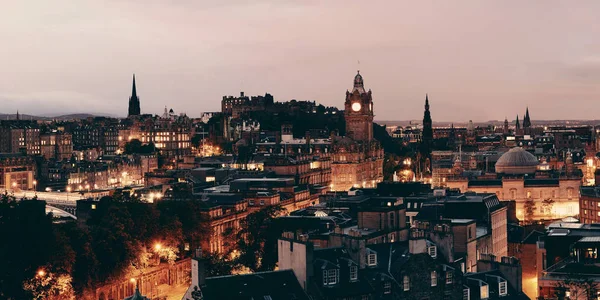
x: 526, y: 119
x: 427, y: 130
x: 134, y: 101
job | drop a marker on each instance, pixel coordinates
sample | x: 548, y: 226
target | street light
x: 41, y: 272
x: 157, y: 246
x: 68, y: 191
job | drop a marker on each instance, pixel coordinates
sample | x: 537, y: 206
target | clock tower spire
x: 358, y: 111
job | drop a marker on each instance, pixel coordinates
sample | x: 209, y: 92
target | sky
x: 477, y: 60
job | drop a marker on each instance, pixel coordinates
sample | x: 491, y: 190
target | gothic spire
x: 517, y: 125
x: 134, y: 101
x: 526, y: 119
x: 426, y: 102
x: 133, y: 91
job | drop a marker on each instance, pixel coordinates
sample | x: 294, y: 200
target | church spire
x: 526, y: 119
x: 517, y: 125
x: 134, y: 101
x: 18, y: 117
x: 133, y: 91
x: 426, y: 102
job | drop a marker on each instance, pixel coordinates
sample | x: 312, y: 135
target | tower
x: 526, y: 120
x: 505, y: 131
x: 526, y: 123
x: 358, y: 112
x: 517, y: 125
x: 134, y: 101
x: 427, y: 124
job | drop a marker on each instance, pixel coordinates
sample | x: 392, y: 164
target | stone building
x: 57, y: 145
x: 589, y: 205
x: 17, y: 172
x: 517, y: 178
x: 236, y: 106
x: 19, y: 136
x: 357, y: 159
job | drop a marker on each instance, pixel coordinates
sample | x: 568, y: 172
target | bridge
x: 60, y: 204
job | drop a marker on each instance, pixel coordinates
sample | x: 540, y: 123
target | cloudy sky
x: 479, y: 60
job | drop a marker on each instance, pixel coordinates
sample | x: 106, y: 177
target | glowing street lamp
x: 157, y: 246
x: 41, y: 272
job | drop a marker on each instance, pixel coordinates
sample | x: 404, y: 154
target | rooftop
x: 275, y: 285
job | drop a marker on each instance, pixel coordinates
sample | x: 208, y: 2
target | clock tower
x: 358, y: 112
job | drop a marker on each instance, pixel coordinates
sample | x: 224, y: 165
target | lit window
x: 449, y: 277
x: 406, y: 283
x: 466, y: 294
x: 353, y: 273
x: 93, y: 206
x: 387, y: 288
x: 502, y: 288
x: 433, y: 278
x: 484, y: 292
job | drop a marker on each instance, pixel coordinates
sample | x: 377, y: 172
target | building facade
x: 357, y: 159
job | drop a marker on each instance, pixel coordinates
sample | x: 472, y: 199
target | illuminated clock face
x: 356, y: 106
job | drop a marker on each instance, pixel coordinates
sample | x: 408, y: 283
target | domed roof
x: 517, y: 161
x: 358, y: 83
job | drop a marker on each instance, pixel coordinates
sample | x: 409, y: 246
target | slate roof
x: 278, y: 285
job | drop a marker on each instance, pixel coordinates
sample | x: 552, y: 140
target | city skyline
x: 477, y: 61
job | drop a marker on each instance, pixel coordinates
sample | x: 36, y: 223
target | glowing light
x: 157, y: 246
x: 132, y: 280
x: 41, y: 272
x: 14, y: 184
x: 69, y: 189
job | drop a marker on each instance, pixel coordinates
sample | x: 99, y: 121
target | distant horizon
x: 381, y: 122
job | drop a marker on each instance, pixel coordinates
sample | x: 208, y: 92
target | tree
x: 580, y: 286
x: 219, y: 265
x: 257, y: 239
x: 547, y: 206
x: 529, y: 207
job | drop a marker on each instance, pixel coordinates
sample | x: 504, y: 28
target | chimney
x: 241, y: 94
x: 198, y: 269
x: 417, y: 242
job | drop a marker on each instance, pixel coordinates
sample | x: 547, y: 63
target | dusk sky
x: 479, y: 60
